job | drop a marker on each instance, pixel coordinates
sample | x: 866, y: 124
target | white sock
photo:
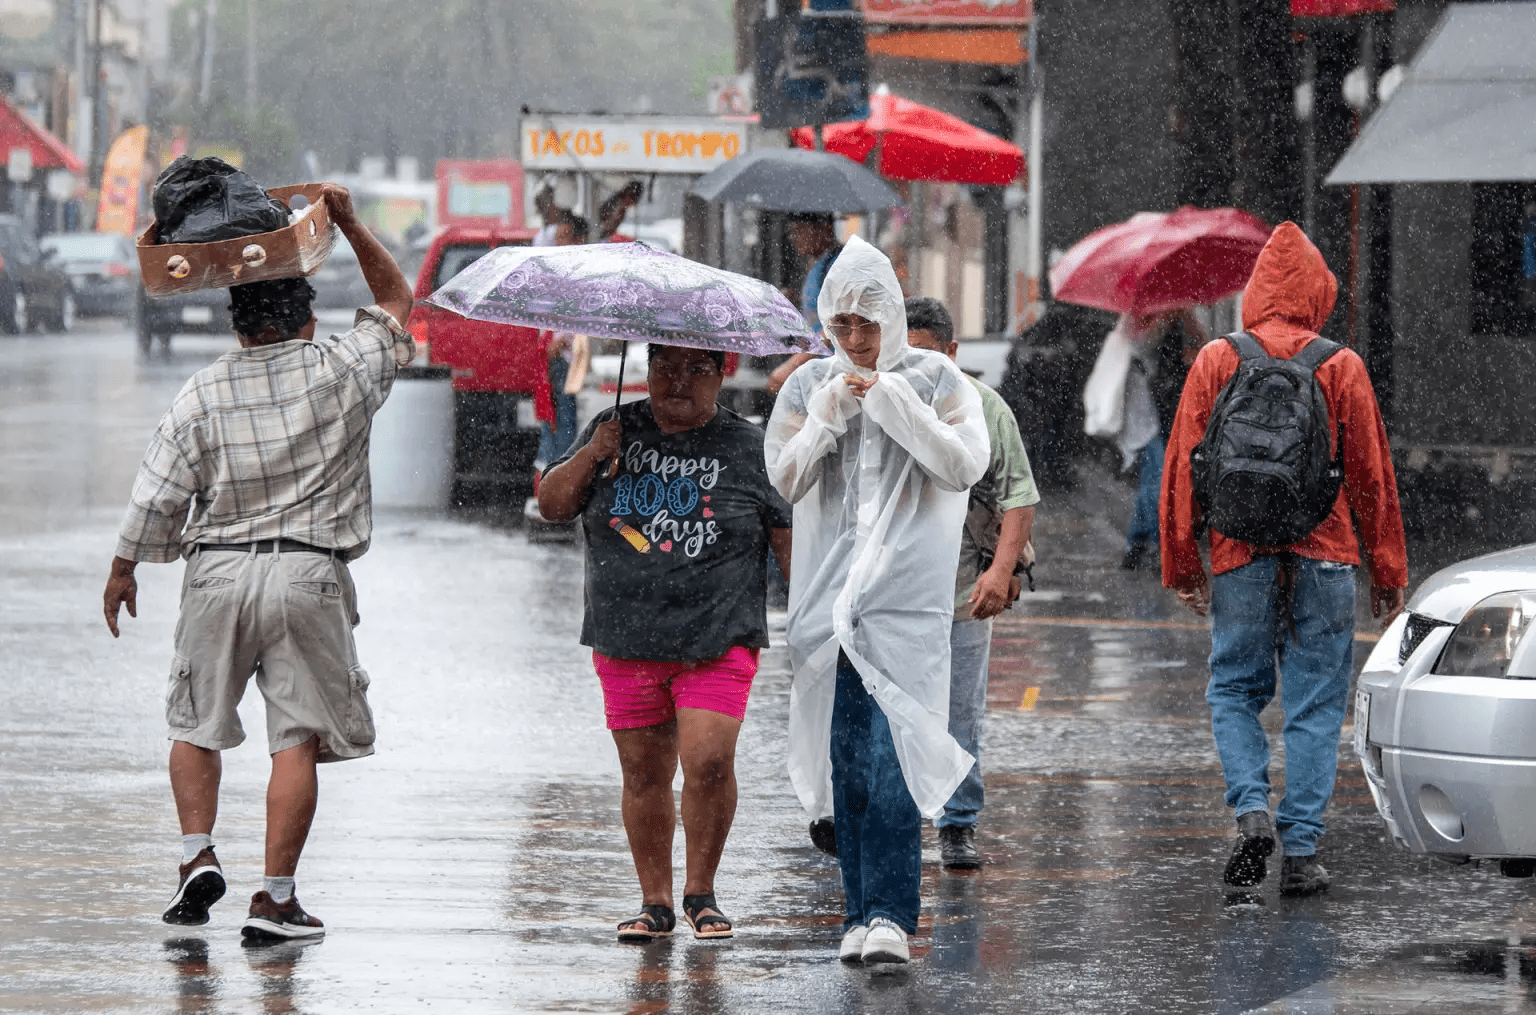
x: 191, y: 845
x: 281, y: 889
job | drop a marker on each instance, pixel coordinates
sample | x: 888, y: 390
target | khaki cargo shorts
x: 285, y: 618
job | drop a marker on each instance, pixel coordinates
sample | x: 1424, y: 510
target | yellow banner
x: 121, y: 178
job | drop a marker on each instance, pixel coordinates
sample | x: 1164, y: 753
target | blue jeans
x: 970, y: 646
x: 1314, y: 670
x: 555, y: 440
x: 879, y: 829
x: 1149, y: 488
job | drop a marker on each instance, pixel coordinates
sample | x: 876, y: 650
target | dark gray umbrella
x: 791, y: 179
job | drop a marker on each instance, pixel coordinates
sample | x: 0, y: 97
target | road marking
x: 1150, y: 625
x: 1370, y: 637
x: 1031, y: 695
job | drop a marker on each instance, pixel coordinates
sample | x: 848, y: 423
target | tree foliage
x: 447, y: 78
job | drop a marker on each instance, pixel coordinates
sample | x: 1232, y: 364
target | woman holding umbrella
x: 678, y: 515
x: 1151, y: 269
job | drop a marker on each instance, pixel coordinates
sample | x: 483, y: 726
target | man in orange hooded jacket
x: 1287, y: 300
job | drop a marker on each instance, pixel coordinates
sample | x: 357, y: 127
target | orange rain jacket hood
x: 1288, y: 299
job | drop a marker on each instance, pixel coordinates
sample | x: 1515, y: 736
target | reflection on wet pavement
x: 478, y: 862
x: 1470, y: 978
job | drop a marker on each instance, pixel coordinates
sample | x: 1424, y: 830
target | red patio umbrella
x: 917, y: 142
x: 1158, y: 261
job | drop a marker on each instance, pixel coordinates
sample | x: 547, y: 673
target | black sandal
x: 654, y: 921
x: 696, y: 910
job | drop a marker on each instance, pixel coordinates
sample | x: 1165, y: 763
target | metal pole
x: 250, y: 59
x: 98, y: 95
x: 85, y: 109
x: 1036, y: 262
x: 1309, y: 144
x: 205, y: 85
x: 1360, y: 205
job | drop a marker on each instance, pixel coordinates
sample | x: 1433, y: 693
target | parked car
x: 498, y: 371
x: 205, y: 312
x: 1445, y: 715
x: 35, y: 291
x: 103, y: 269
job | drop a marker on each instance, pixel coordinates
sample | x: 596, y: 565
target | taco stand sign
x: 649, y: 144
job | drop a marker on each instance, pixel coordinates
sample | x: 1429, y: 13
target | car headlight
x: 1485, y: 640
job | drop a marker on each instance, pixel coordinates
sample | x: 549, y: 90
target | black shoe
x: 1135, y: 557
x: 958, y: 848
x: 1255, y: 841
x: 201, y: 885
x: 824, y: 836
x: 1303, y: 875
x: 269, y: 921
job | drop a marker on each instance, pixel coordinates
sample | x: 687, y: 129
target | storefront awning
x: 48, y: 152
x: 1466, y: 109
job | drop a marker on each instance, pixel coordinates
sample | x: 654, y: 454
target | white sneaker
x: 885, y: 942
x: 852, y: 949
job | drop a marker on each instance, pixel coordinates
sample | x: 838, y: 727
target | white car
x: 1445, y: 715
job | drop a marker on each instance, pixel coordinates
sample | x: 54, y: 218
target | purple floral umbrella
x: 629, y: 291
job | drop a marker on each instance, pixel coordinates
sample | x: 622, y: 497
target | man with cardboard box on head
x: 258, y: 478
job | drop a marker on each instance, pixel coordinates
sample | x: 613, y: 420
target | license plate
x: 1362, y: 721
x: 196, y: 315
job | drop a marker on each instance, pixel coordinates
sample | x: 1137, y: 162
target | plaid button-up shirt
x: 269, y: 443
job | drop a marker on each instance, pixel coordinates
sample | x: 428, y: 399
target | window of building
x: 1503, y: 262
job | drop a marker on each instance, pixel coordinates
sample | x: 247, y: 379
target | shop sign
x: 948, y: 12
x: 673, y: 144
x: 18, y: 166
x: 1340, y: 8
x: 812, y: 70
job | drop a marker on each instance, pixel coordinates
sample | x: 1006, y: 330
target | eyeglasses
x: 697, y: 368
x: 842, y: 331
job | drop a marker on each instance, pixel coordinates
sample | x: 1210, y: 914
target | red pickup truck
x: 496, y: 367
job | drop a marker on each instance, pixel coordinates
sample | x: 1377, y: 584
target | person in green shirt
x: 994, y: 548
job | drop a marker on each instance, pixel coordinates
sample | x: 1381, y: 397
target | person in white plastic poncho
x: 875, y: 447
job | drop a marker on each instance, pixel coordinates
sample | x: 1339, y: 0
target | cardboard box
x: 294, y: 250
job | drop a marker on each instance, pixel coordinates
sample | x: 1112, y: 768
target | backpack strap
x: 1315, y: 353
x: 1246, y: 346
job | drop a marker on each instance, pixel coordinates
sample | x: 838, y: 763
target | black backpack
x: 1265, y: 472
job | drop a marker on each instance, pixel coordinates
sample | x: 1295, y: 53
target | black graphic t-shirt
x: 677, y: 541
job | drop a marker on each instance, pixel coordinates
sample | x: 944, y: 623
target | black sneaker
x: 269, y: 921
x: 1303, y: 875
x: 1255, y: 841
x: 201, y: 885
x: 1138, y: 555
x: 958, y: 848
x: 824, y: 836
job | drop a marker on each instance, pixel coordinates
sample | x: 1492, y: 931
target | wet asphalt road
x: 477, y: 863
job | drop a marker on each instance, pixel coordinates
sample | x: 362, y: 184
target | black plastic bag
x: 203, y: 200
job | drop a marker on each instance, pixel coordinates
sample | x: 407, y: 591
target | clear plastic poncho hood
x: 879, y: 488
x: 861, y: 281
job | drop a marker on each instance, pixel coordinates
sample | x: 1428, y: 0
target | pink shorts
x: 641, y: 692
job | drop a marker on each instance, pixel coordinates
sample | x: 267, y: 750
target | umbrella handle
x: 619, y: 395
x: 613, y: 467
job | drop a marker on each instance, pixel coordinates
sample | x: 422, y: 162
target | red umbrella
x: 916, y: 142
x: 1158, y: 261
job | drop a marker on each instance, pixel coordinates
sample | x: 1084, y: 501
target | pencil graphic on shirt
x: 636, y: 540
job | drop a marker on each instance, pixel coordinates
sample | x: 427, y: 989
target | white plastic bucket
x: 411, y: 450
